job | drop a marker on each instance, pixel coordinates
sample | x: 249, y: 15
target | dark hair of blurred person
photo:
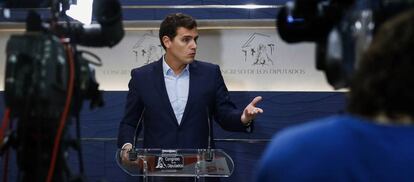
x: 383, y: 88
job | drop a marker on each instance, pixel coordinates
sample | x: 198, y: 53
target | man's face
x: 182, y: 48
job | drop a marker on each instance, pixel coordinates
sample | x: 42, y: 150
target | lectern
x: 178, y: 163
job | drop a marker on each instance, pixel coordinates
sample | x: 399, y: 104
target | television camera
x: 47, y: 79
x: 341, y: 29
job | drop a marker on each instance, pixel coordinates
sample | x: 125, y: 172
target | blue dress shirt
x: 177, y: 89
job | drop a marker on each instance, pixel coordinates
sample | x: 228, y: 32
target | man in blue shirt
x: 176, y: 95
x: 375, y: 141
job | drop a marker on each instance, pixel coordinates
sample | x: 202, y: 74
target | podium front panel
x: 177, y: 162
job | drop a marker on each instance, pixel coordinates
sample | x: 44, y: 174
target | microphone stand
x: 209, y: 156
x: 133, y: 154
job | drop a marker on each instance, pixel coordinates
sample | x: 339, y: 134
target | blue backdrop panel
x: 159, y: 14
x: 282, y: 109
x: 201, y: 2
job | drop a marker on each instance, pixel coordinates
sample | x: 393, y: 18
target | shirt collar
x: 168, y: 71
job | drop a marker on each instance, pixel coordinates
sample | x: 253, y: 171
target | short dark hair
x: 174, y: 21
x: 384, y: 81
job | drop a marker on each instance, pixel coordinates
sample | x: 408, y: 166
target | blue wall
x: 282, y: 109
x: 203, y: 13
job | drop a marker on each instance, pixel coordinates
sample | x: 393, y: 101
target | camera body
x: 36, y: 75
x: 47, y: 79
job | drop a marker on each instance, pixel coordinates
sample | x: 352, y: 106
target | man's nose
x: 193, y: 44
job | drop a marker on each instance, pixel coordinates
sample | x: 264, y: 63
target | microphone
x: 133, y: 154
x: 209, y: 156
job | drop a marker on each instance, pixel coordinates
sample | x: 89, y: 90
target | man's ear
x: 167, y: 41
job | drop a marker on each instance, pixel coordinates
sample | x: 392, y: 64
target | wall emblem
x: 148, y: 49
x: 258, y: 50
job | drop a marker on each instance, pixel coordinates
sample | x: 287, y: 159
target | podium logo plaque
x: 169, y: 159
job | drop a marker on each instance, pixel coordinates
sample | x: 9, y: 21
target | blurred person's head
x: 383, y: 85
